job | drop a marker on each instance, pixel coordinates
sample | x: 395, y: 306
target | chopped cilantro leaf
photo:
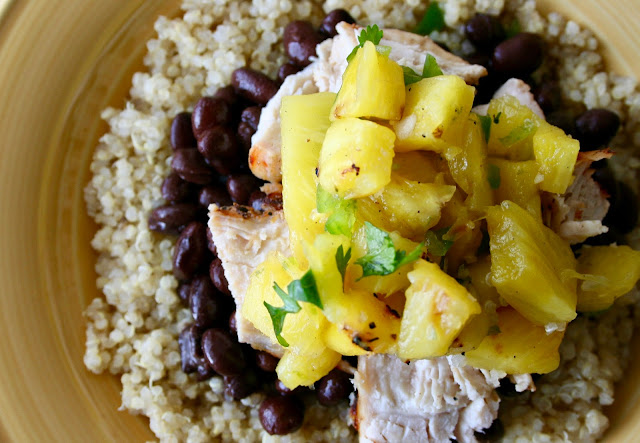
x: 513, y: 28
x: 436, y: 244
x: 304, y: 290
x: 382, y: 258
x: 371, y: 34
x: 342, y: 213
x: 342, y: 260
x: 518, y: 134
x: 485, y: 124
x: 433, y: 20
x: 493, y: 176
x: 430, y: 68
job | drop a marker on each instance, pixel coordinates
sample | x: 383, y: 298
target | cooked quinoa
x: 133, y: 330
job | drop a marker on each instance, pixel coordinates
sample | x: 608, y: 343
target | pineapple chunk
x: 519, y: 348
x: 435, y: 114
x: 296, y: 368
x: 608, y: 272
x: 372, y: 87
x: 512, y: 129
x: 356, y: 158
x: 406, y: 206
x: 518, y: 184
x: 419, y: 166
x: 436, y: 310
x: 340, y: 341
x: 480, y: 274
x: 472, y: 334
x: 468, y: 166
x: 527, y: 261
x: 365, y: 320
x: 305, y: 119
x: 556, y: 154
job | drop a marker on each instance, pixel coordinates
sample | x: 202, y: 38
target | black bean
x: 181, y: 132
x: 623, y: 212
x: 214, y: 194
x: 238, y: 387
x: 240, y: 187
x: 478, y: 58
x: 607, y: 181
x: 253, y: 85
x: 288, y: 69
x: 266, y: 361
x: 190, y: 352
x: 190, y: 251
x: 203, y: 301
x: 328, y: 26
x: 548, y: 96
x: 333, y: 388
x: 175, y: 190
x: 518, y: 56
x: 484, y: 31
x: 596, y: 127
x: 171, y: 219
x: 283, y: 390
x: 251, y: 115
x: 209, y: 112
x: 245, y: 132
x: 233, y: 326
x: 218, y: 143
x: 222, y: 352
x: 184, y: 290
x: 564, y: 120
x: 228, y: 94
x: 204, y: 371
x: 210, y: 244
x: 281, y: 415
x: 300, y: 40
x: 191, y: 166
x: 257, y: 200
x: 495, y: 432
x: 216, y: 273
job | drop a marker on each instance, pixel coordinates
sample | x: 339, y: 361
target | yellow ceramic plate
x: 61, y: 62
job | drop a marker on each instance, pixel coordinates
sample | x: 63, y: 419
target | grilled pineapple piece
x: 419, y: 166
x: 300, y: 330
x: 297, y: 368
x: 305, y: 120
x: 527, y: 261
x: 519, y: 348
x: 372, y: 87
x: 512, y: 129
x: 608, y: 272
x: 556, y: 154
x: 518, y: 184
x: 362, y: 318
x: 406, y: 206
x: 356, y: 158
x: 468, y: 166
x: 436, y: 310
x: 435, y: 114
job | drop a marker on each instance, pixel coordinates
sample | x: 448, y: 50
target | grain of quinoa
x: 133, y: 330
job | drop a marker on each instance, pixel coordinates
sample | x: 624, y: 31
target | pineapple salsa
x: 416, y: 229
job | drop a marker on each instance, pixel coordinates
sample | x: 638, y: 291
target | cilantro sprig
x: 342, y: 260
x: 382, y: 257
x: 429, y: 69
x: 371, y: 34
x: 342, y: 212
x: 432, y: 20
x: 305, y: 290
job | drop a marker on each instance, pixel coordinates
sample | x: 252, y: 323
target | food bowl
x: 61, y: 65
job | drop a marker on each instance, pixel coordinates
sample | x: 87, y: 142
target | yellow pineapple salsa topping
x: 416, y: 228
